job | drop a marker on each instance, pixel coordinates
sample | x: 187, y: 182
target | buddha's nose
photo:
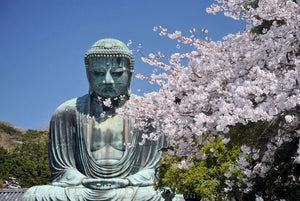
x: 108, y: 78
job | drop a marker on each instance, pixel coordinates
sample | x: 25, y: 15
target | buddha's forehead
x: 108, y: 62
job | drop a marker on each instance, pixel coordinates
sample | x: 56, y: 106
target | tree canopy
x: 248, y: 78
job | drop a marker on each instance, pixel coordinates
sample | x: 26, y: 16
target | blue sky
x: 42, y: 46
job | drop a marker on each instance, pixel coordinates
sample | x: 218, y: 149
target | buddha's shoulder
x: 72, y: 104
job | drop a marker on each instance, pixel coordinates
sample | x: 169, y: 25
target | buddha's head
x: 109, y: 66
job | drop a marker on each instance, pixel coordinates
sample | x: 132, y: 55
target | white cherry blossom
x: 246, y: 77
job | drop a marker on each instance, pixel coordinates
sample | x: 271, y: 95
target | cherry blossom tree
x: 247, y: 77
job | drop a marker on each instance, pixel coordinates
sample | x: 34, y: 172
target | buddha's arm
x: 61, y: 151
x: 70, y: 177
x: 142, y: 178
x: 150, y: 156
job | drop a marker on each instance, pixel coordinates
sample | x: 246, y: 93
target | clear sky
x: 42, y: 46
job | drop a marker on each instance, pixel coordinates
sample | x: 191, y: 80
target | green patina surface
x: 89, y: 159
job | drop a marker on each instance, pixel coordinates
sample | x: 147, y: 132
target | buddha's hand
x: 69, y: 178
x: 105, y: 184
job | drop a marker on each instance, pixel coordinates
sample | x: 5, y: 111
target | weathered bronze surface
x: 89, y: 158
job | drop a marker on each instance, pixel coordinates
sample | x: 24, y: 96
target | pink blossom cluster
x: 246, y: 77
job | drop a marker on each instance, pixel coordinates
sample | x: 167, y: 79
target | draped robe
x: 70, y: 157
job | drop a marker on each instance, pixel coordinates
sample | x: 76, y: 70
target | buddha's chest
x: 107, y: 139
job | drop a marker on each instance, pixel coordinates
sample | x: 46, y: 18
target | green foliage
x: 29, y: 161
x: 33, y: 159
x: 253, y: 132
x: 7, y: 164
x: 206, y: 177
x: 1, y: 184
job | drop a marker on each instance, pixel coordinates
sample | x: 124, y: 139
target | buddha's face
x: 108, y: 77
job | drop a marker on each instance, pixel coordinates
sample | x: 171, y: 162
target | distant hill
x: 10, y: 135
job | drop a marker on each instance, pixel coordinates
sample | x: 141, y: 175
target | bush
x: 29, y: 162
x: 205, y: 177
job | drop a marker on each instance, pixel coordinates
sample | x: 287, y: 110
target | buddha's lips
x: 107, y: 89
x: 103, y: 86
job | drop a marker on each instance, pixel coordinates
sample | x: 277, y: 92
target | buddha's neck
x: 97, y: 107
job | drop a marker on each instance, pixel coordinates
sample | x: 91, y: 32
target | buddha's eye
x: 117, y: 74
x: 99, y: 73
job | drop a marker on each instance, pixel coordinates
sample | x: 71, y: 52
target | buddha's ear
x: 90, y: 91
x: 88, y: 75
x: 130, y: 75
x: 87, y: 66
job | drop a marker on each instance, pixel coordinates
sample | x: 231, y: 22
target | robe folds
x: 71, y: 160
